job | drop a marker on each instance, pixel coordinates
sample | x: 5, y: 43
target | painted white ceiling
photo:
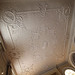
x: 36, y: 34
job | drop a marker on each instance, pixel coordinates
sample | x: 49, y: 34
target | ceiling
x: 36, y: 34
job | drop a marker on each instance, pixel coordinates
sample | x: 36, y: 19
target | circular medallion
x: 9, y: 17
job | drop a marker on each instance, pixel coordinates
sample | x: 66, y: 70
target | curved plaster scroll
x: 43, y: 8
x: 19, y: 21
x: 67, y: 11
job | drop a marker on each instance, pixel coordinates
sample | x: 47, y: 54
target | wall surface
x: 72, y: 32
x: 3, y: 61
x: 36, y: 33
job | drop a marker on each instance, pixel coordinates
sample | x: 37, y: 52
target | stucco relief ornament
x: 8, y: 17
x: 12, y: 20
x: 43, y: 8
x: 67, y: 11
x: 19, y: 21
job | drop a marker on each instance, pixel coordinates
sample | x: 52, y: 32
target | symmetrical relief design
x: 43, y: 35
x: 38, y: 37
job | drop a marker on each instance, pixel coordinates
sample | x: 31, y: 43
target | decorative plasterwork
x: 38, y: 36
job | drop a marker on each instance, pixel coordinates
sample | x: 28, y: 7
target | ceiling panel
x: 35, y: 34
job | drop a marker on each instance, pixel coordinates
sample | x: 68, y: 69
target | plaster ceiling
x: 36, y: 34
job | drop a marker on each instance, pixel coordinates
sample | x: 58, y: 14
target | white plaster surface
x: 36, y: 34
